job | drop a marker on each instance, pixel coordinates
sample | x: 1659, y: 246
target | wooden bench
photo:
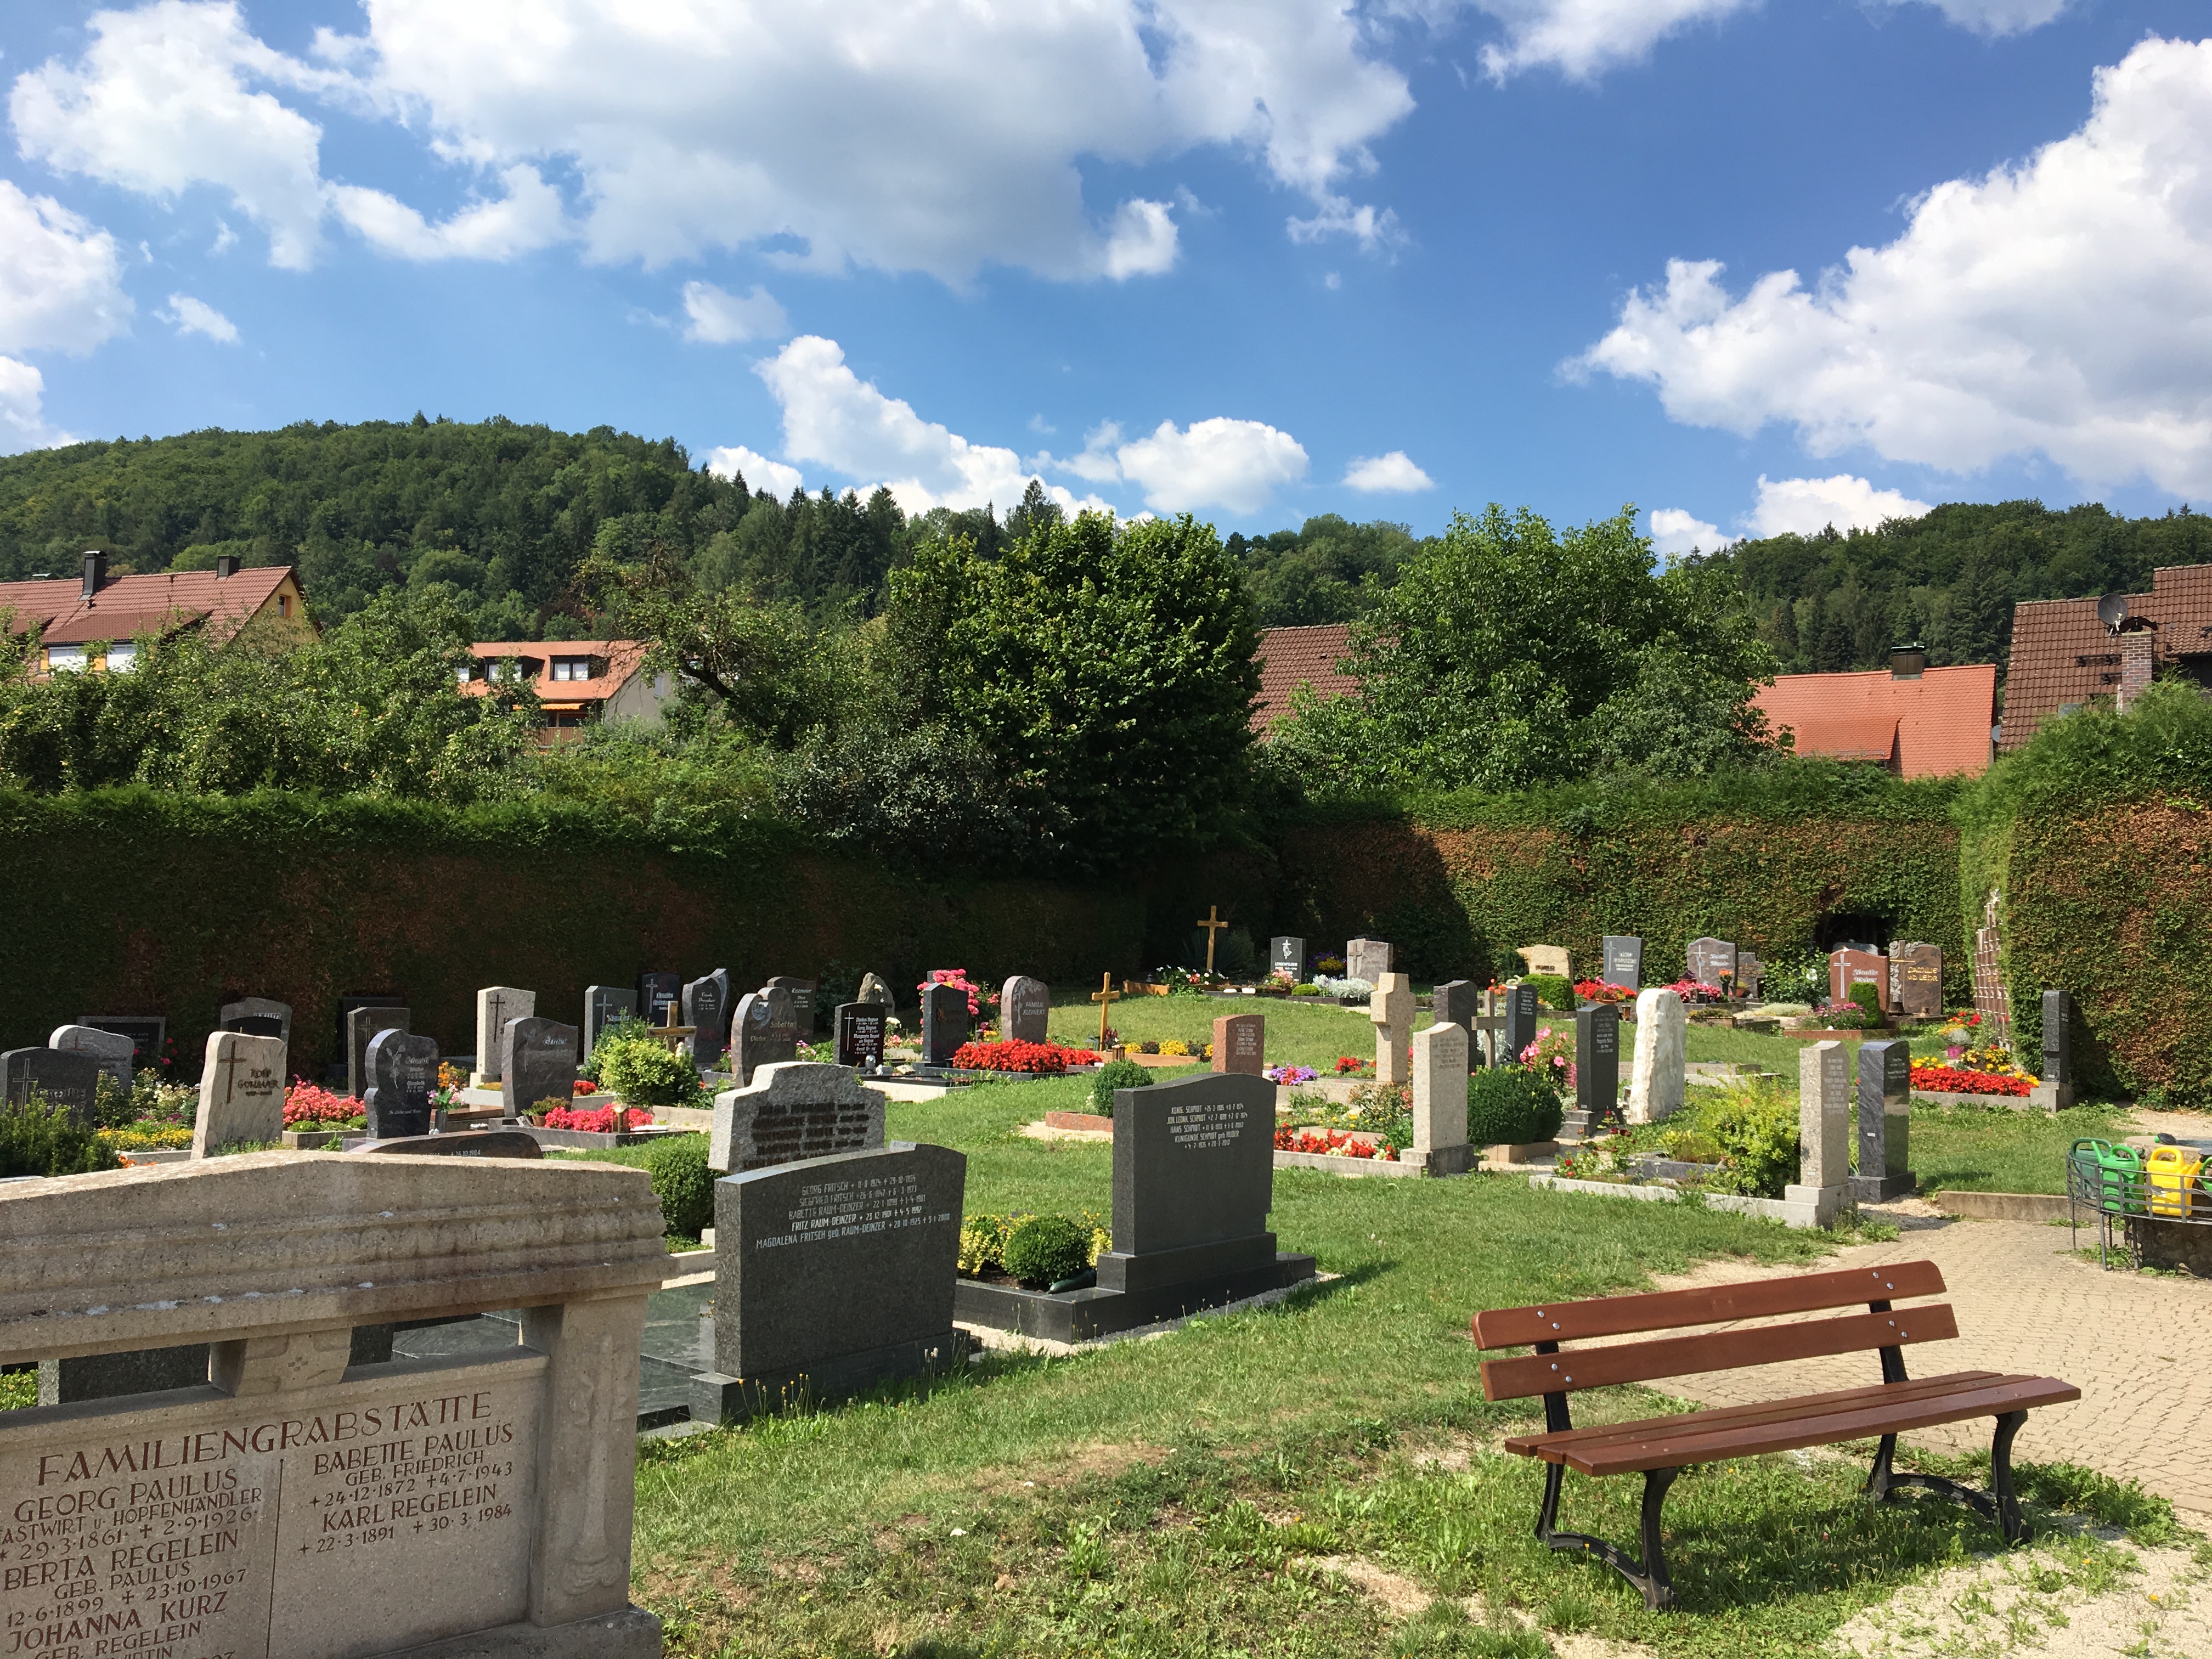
x: 1661, y: 1447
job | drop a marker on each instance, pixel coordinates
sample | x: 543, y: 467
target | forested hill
x: 1949, y: 580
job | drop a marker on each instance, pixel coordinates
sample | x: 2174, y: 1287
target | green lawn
x: 1993, y: 1149
x: 1166, y: 1497
x: 1300, y: 1031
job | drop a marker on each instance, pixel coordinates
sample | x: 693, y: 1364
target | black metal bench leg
x: 1648, y: 1575
x: 2000, y: 1503
x: 2007, y: 1504
x: 1880, y: 1479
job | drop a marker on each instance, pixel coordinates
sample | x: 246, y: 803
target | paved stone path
x: 2137, y: 1347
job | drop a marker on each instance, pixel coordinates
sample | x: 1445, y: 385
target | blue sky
x: 1252, y: 258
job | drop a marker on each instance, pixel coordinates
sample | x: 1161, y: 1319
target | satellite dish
x: 2112, y: 610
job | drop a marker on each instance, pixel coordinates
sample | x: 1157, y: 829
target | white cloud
x: 2063, y: 305
x: 721, y: 318
x: 1997, y: 16
x: 22, y: 422
x: 61, y: 278
x: 762, y: 476
x: 198, y: 316
x: 530, y: 216
x: 1144, y: 241
x: 1235, y: 465
x: 1393, y: 471
x: 1808, y: 505
x: 1674, y: 533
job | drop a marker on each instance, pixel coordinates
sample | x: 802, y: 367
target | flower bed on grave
x: 1955, y: 1080
x: 143, y: 1137
x: 1029, y: 1059
x: 1596, y: 990
x: 1336, y: 1142
x: 1377, y: 1122
x: 306, y: 1106
x: 599, y: 1120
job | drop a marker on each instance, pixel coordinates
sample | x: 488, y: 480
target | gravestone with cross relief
x: 241, y: 1091
x: 603, y: 1005
x: 860, y: 1031
x: 402, y: 1071
x: 65, y: 1080
x: 495, y: 1005
x: 1916, y: 979
x: 1710, y: 959
x: 1622, y: 959
x: 112, y: 1052
x: 658, y: 997
x: 1366, y: 959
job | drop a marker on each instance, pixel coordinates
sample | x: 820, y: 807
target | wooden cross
x: 1105, y: 996
x: 1212, y: 924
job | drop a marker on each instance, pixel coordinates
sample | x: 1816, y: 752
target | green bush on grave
x: 1047, y: 1248
x: 1756, y: 1126
x: 682, y: 1183
x: 1868, y: 999
x: 40, y: 1139
x: 1511, y: 1105
x: 1553, y: 991
x: 1305, y: 989
x: 645, y: 1071
x: 1116, y: 1074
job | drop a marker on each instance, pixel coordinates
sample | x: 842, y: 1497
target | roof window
x: 572, y: 668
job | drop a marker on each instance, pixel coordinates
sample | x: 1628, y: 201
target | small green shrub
x: 1868, y: 999
x: 1756, y: 1127
x: 1305, y: 989
x: 622, y: 1028
x: 645, y: 1073
x: 682, y: 1183
x: 1047, y: 1248
x: 1118, y: 1074
x: 1511, y: 1105
x: 1553, y: 991
x: 38, y: 1138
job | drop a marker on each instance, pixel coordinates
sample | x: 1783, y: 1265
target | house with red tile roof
x: 96, y: 620
x: 1917, y: 721
x: 2065, y: 655
x: 577, y: 681
x: 1291, y: 657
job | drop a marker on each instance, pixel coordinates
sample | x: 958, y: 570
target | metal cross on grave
x: 1212, y: 924
x: 1105, y: 996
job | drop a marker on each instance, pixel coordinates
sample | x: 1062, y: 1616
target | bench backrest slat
x: 1712, y: 1351
x: 1669, y: 1310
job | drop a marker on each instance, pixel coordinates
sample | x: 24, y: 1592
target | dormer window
x: 66, y: 658
x: 465, y: 672
x: 572, y: 668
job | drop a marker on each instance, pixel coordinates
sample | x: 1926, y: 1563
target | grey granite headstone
x: 1710, y: 959
x: 1455, y: 1002
x: 495, y: 1005
x: 832, y: 1274
x: 765, y: 1032
x: 706, y: 1011
x: 537, y: 1061
x: 943, y: 1022
x: 150, y: 1032
x: 1622, y: 959
x: 658, y: 994
x: 362, y: 1024
x: 1885, y: 1105
x: 65, y: 1080
x: 1366, y: 958
x: 1286, y: 956
x: 402, y: 1072
x: 233, y: 1016
x: 1194, y: 1179
x: 2058, y: 1040
x: 801, y: 992
x: 1522, y: 1013
x: 1597, y: 1061
x: 793, y: 1109
x: 859, y: 1034
x: 241, y: 1092
x: 112, y: 1052
x: 339, y: 1070
x: 1024, y: 1010
x: 873, y: 989
x: 603, y: 1005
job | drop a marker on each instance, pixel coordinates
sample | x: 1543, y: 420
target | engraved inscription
x: 848, y: 1209
x: 1202, y: 1124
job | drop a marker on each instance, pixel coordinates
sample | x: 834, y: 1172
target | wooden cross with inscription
x: 1212, y: 924
x: 1105, y: 996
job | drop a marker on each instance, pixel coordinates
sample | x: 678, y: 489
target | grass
x: 1993, y: 1149
x: 1300, y: 1031
x: 1171, y: 1497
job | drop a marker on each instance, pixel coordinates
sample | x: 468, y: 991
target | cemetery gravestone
x: 1453, y: 1003
x: 537, y: 1062
x: 831, y: 1274
x: 1659, y: 1073
x: 872, y: 989
x: 1367, y: 959
x: 859, y: 1028
x: 262, y: 1012
x: 706, y: 1012
x: 2056, y: 1088
x: 1916, y: 980
x: 495, y: 1005
x: 1849, y: 967
x: 148, y: 1032
x: 1597, y: 1064
x: 113, y: 1053
x: 362, y: 1025
x: 340, y: 1072
x: 943, y: 1022
x: 658, y: 996
x: 402, y: 1071
x: 791, y: 1111
x: 1240, y: 1043
x: 1521, y: 1013
x: 275, y: 1451
x: 1623, y: 957
x: 65, y: 1080
x: 1391, y: 1009
x: 603, y: 1005
x: 1440, y: 1054
x: 1824, y: 1130
x: 1025, y: 1009
x: 1748, y: 970
x: 1286, y: 956
x: 801, y: 992
x: 1711, y: 958
x: 1884, y: 1103
x: 1548, y: 959
x: 241, y: 1091
x: 764, y: 1033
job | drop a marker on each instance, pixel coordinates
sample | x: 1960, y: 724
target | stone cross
x: 495, y: 1005
x: 1622, y: 960
x: 241, y: 1091
x: 1286, y: 956
x: 1657, y: 1073
x: 1105, y: 996
x: 1885, y: 1121
x: 1440, y: 1057
x: 1024, y: 1010
x: 1212, y: 924
x: 1391, y: 1009
x: 1240, y: 1043
x: 112, y: 1052
x: 1824, y: 1128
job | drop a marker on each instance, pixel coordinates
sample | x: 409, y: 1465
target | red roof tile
x: 618, y: 659
x: 1290, y: 657
x: 2064, y: 657
x: 1927, y: 727
x: 126, y: 605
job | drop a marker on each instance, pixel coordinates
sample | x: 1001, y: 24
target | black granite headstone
x: 603, y: 1005
x: 1885, y: 1104
x: 66, y: 1079
x: 346, y: 1007
x: 403, y: 1074
x: 831, y: 1274
x: 1622, y: 959
x: 860, y: 1035
x: 1286, y: 956
x: 362, y: 1024
x: 764, y: 1033
x: 537, y: 1062
x: 943, y: 1022
x: 267, y: 1018
x: 657, y: 994
x: 1522, y: 1013
x: 1454, y: 1003
x: 1597, y: 1061
x: 706, y: 1011
x: 801, y: 992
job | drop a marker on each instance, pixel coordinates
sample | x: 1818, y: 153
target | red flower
x: 585, y: 1086
x: 1044, y: 1059
x: 1949, y: 1079
x: 599, y: 1122
x: 306, y: 1104
x: 1347, y: 1064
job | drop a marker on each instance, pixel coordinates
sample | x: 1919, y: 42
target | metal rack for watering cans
x: 2125, y: 1183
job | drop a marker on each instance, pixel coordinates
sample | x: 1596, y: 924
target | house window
x: 65, y: 658
x: 284, y: 604
x: 465, y: 672
x: 572, y: 668
x: 122, y: 659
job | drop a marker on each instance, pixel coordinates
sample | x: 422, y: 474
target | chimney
x: 1906, y: 662
x: 96, y: 572
x: 2137, y: 652
x: 226, y: 565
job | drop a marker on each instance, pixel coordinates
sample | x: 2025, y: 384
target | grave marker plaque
x: 1024, y: 1010
x: 1710, y: 959
x: 113, y: 1053
x: 1286, y: 956
x: 1367, y: 958
x: 1240, y: 1043
x: 801, y: 992
x: 1916, y: 980
x: 943, y: 1022
x: 1885, y: 1104
x: 538, y: 1062
x: 1597, y: 1061
x: 241, y: 1091
x: 256, y: 1017
x: 1623, y: 956
x: 362, y: 1025
x: 706, y: 1012
x: 861, y: 1033
x: 603, y: 1005
x: 403, y: 1071
x: 658, y: 997
x: 793, y: 1109
x: 765, y: 1032
x: 65, y: 1080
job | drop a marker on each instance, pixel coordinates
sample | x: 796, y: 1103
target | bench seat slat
x: 1825, y: 1429
x: 1759, y: 1411
x: 1712, y: 1351
x: 1667, y: 1310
